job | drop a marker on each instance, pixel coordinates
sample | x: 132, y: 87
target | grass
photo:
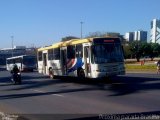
x: 139, y: 67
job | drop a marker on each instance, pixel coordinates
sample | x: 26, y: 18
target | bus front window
x: 107, y: 53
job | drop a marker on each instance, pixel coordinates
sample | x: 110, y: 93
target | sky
x: 45, y: 22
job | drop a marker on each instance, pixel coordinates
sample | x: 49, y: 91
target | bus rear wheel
x: 51, y: 73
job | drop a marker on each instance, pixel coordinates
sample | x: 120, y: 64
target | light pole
x: 81, y: 29
x: 12, y: 37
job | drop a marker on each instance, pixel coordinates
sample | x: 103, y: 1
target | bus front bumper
x: 107, y: 74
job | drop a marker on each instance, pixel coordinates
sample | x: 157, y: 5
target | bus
x: 90, y: 58
x: 24, y: 62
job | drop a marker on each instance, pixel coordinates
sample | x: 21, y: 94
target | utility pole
x: 81, y: 30
x: 12, y: 37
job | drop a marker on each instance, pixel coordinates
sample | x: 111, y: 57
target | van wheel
x: 81, y: 74
x: 51, y: 73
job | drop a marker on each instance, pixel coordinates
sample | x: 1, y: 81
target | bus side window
x: 71, y: 52
x: 86, y: 51
x: 50, y: 54
x: 79, y: 51
x: 40, y: 56
x: 18, y: 60
x: 56, y: 54
x: 9, y: 61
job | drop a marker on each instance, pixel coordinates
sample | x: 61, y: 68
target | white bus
x: 92, y: 58
x: 24, y: 62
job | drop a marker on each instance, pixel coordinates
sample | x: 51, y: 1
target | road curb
x: 147, y: 72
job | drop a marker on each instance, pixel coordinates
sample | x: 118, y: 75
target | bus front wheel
x: 81, y: 74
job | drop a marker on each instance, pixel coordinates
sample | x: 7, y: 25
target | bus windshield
x: 107, y: 53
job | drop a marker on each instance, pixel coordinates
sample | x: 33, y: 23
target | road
x: 39, y: 97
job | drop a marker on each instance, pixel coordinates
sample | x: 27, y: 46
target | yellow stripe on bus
x: 56, y: 45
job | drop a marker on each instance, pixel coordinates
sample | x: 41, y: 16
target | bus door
x: 63, y: 60
x: 87, y: 60
x: 44, y: 63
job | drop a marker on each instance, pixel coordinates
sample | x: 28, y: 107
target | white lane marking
x: 58, y: 95
x: 40, y: 91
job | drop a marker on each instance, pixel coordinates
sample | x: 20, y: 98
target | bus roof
x: 56, y: 45
x: 18, y: 56
x: 71, y: 42
x: 65, y: 43
x: 76, y: 41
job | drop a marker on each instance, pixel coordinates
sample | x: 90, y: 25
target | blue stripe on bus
x: 78, y: 64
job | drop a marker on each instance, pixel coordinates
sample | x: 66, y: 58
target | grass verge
x: 133, y: 67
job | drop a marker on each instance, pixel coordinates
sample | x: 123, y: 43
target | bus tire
x: 81, y: 74
x: 51, y: 73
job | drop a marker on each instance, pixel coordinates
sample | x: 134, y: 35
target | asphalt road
x: 39, y: 97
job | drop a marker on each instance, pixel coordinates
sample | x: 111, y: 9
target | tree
x: 69, y: 38
x: 127, y: 51
x: 146, y: 49
x: 139, y: 49
x: 136, y: 49
x: 155, y: 50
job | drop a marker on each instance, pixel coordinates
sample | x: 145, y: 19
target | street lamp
x: 12, y: 37
x: 81, y: 29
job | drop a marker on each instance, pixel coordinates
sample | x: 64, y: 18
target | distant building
x: 136, y: 36
x: 129, y: 36
x: 16, y: 51
x: 155, y: 31
x: 115, y: 34
x: 140, y: 36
